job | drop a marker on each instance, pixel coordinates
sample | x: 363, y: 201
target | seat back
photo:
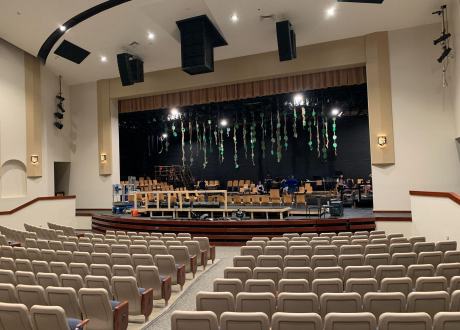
x: 361, y: 285
x: 155, y: 250
x: 397, y: 284
x: 444, y: 246
x: 70, y: 246
x: 125, y: 289
x: 14, y: 317
x: 448, y: 271
x: 95, y: 305
x: 59, y: 268
x: 376, y: 249
x: 268, y: 273
x: 121, y: 259
x: 238, y: 321
x: 298, y: 302
x: 66, y: 298
x: 47, y: 279
x: 323, y: 261
x: 308, y: 321
x: 350, y: 302
x: 142, y: 260
x: 25, y: 278
x: 270, y: 261
x: 331, y: 285
x: 72, y: 281
x: 166, y: 266
x: 446, y: 321
x: 217, y: 302
x: 101, y: 270
x: 344, y: 321
x: 256, y: 302
x: 244, y: 261
x: 30, y: 295
x: 79, y: 268
x: 301, y: 250
x: 48, y: 317
x: 405, y: 259
x: 434, y: 258
x: 275, y: 250
x: 389, y: 271
x: 428, y: 302
x: 293, y: 286
x: 296, y: 261
x: 384, y: 302
x: 8, y: 293
x: 293, y: 273
x: 123, y: 270
x: 181, y: 256
x: 260, y: 286
x: 149, y: 278
x: 49, y: 255
x: 429, y: 284
x: 423, y: 247
x: 328, y: 272
x: 347, y: 260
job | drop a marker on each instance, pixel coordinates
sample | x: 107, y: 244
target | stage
x: 236, y: 233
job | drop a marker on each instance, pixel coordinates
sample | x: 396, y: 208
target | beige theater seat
x: 328, y: 272
x: 265, y: 239
x: 362, y: 242
x: 298, y: 302
x: 260, y: 286
x: 301, y: 250
x: 424, y: 247
x: 66, y: 298
x: 30, y: 242
x: 49, y: 255
x: 82, y: 257
x: 277, y: 243
x: 389, y: 271
x: 318, y: 242
x: 400, y: 248
x: 182, y: 256
x: 137, y: 249
x: 157, y: 242
x: 123, y: 270
x: 376, y: 249
x: 167, y: 267
x: 14, y: 317
x: 142, y: 260
x: 397, y: 284
x: 276, y: 251
x: 155, y: 250
x: 59, y: 268
x: 184, y: 235
x: 444, y: 246
x: 64, y: 256
x: 417, y: 239
x: 270, y: 261
x: 330, y: 285
x: 121, y: 259
x: 8, y: 264
x: 8, y: 293
x: 405, y: 259
x: 241, y: 273
x: 448, y: 271
x: 349, y: 234
x: 170, y: 235
x: 340, y: 303
x: 380, y: 241
x: 454, y: 284
x: 232, y: 285
x: 47, y: 279
x: 101, y: 270
x: 25, y: 278
x: 56, y: 245
x: 24, y: 265
x: 305, y: 273
x: 296, y: 261
x: 34, y: 254
x: 7, y: 276
x: 340, y: 243
x: 397, y: 240
x: 430, y: 284
x: 181, y: 320
x: 323, y: 261
x: 81, y: 269
x: 110, y: 241
x: 95, y: 306
x: 140, y: 299
x: 451, y: 257
x: 30, y: 295
x: 216, y: 302
x: 309, y: 235
x: 195, y: 249
x: 119, y: 248
x: 204, y: 245
x: 347, y: 260
x: 297, y: 243
x: 326, y: 250
x: 416, y: 271
x: 308, y: 321
x: 361, y: 285
x: 256, y: 302
x: 86, y: 247
x: 141, y: 242
x: 40, y: 266
x: 282, y: 239
x: 446, y: 321
x: 99, y: 282
x: 262, y: 244
x: 291, y: 235
x: 406, y: 321
x: 428, y: 302
x: 359, y: 237
x: 20, y: 253
x: 149, y: 278
x: 351, y: 249
x: 172, y: 243
x: 72, y: 281
x: 53, y: 317
x: 293, y: 286
x: 379, y: 303
x: 268, y: 273
x: 346, y: 321
x: 433, y: 258
x: 244, y: 261
x: 102, y: 248
x: 7, y: 252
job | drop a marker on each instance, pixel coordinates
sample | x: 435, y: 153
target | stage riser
x: 230, y: 233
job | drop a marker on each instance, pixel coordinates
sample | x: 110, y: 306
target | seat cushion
x: 73, y: 323
x: 114, y: 304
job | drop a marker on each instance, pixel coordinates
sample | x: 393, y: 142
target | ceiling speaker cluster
x: 286, y: 41
x: 131, y: 69
x: 362, y: 1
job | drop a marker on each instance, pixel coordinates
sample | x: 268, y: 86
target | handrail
x: 452, y: 196
x: 33, y: 201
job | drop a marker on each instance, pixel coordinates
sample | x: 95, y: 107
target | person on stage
x: 291, y: 184
x: 268, y: 182
x: 260, y: 188
x: 202, y: 185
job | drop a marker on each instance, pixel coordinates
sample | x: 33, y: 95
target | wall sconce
x: 382, y: 141
x: 103, y: 158
x: 34, y: 159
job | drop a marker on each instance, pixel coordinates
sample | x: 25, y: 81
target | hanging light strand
x: 334, y: 137
x: 244, y: 138
x: 253, y: 137
x: 198, y: 136
x: 190, y: 130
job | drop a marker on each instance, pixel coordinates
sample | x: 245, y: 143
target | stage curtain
x: 345, y: 77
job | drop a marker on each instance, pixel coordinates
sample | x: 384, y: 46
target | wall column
x: 379, y: 97
x: 104, y: 119
x: 33, y: 114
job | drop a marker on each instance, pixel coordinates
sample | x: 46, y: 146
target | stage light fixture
x: 331, y: 11
x: 223, y: 122
x: 442, y: 38
x: 60, y: 107
x: 165, y: 135
x: 382, y: 141
x: 62, y: 28
x: 34, y: 159
x: 58, y: 125
x: 298, y: 99
x: 234, y: 17
x: 103, y: 58
x: 335, y: 112
x: 58, y: 115
x: 174, y: 112
x: 151, y: 36
x: 445, y: 53
x: 60, y: 98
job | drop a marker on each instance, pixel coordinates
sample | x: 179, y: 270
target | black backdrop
x: 138, y: 157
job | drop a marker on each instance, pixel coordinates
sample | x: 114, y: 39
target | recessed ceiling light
x: 331, y: 11
x: 103, y: 58
x: 234, y: 17
x: 151, y: 36
x: 62, y: 28
x: 174, y: 111
x: 335, y: 112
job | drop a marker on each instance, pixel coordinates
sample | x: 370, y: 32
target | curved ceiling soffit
x: 48, y: 45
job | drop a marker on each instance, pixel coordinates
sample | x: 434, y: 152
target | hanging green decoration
x: 210, y: 137
x: 295, y: 123
x: 262, y: 142
x: 204, y: 146
x: 190, y: 130
x: 228, y: 131
x: 285, y: 131
x: 272, y: 139
x: 253, y: 137
x: 334, y: 137
x: 278, y: 137
x: 221, y: 145
x: 324, y: 120
x: 198, y: 136
x: 327, y: 134
x: 235, y: 158
x: 244, y: 138
x: 304, y: 122
x: 182, y: 129
x: 317, y: 136
x: 310, y: 143
x: 166, y: 131
x: 173, y: 127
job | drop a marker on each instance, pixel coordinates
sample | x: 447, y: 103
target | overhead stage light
x: 442, y: 38
x: 58, y: 125
x: 298, y: 99
x: 223, y: 122
x: 58, y: 115
x: 62, y: 28
x: 60, y: 107
x: 445, y: 53
x: 165, y: 135
x: 174, y: 111
x: 335, y: 112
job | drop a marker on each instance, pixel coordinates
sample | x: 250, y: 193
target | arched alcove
x: 14, y: 179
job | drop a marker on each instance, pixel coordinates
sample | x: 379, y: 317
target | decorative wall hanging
x: 235, y: 158
x: 278, y: 136
x: 334, y: 137
x: 310, y: 143
x: 272, y: 139
x: 211, y: 150
x: 204, y: 146
x: 253, y: 137
x: 198, y: 136
x: 190, y: 130
x: 285, y: 131
x: 304, y: 122
x: 182, y: 129
x: 221, y: 158
x: 244, y: 138
x: 173, y: 127
x: 262, y: 143
x: 294, y: 125
x: 317, y: 136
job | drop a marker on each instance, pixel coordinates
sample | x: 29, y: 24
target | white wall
x: 424, y: 129
x: 453, y: 72
x: 92, y: 190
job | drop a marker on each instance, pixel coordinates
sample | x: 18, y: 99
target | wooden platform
x: 225, y: 233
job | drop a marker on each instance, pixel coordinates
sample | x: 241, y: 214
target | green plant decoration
x: 198, y: 136
x: 324, y: 120
x: 295, y: 123
x: 235, y: 158
x: 245, y: 132
x: 278, y: 136
x: 204, y: 146
x: 285, y: 131
x: 317, y: 135
x: 304, y: 122
x: 310, y: 143
x: 228, y: 131
x: 210, y: 138
x: 221, y: 146
x: 182, y: 129
x: 166, y: 131
x: 272, y: 139
x: 190, y: 130
x: 334, y: 137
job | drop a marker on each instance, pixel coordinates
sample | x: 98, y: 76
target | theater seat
x: 346, y: 321
x: 66, y: 298
x: 254, y: 286
x: 53, y: 317
x: 298, y: 303
x: 181, y: 320
x: 446, y: 321
x: 340, y: 303
x: 283, y: 321
x: 15, y: 317
x: 255, y: 302
x: 428, y: 302
x: 140, y: 299
x: 239, y: 321
x: 232, y: 285
x: 241, y: 273
x: 216, y: 302
x: 406, y: 321
x: 378, y: 303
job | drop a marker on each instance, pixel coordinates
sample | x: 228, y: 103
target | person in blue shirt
x: 202, y: 185
x: 291, y: 184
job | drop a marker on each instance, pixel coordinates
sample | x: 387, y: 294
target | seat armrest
x: 181, y: 276
x: 120, y: 315
x: 166, y: 289
x: 15, y: 244
x: 204, y: 258
x: 213, y: 252
x: 147, y: 302
x: 82, y: 324
x: 193, y: 264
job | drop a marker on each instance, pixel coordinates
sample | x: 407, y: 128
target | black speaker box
x: 124, y: 67
x: 286, y: 41
x: 137, y: 69
x: 198, y: 38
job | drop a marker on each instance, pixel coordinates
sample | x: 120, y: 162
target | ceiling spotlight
x: 62, y: 28
x: 445, y: 53
x: 58, y: 125
x: 331, y: 11
x: 151, y: 36
x: 442, y: 38
x: 234, y: 17
x: 174, y: 111
x: 60, y: 107
x: 223, y: 122
x: 165, y: 135
x: 103, y: 58
x: 298, y: 99
x: 335, y: 112
x: 58, y: 115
